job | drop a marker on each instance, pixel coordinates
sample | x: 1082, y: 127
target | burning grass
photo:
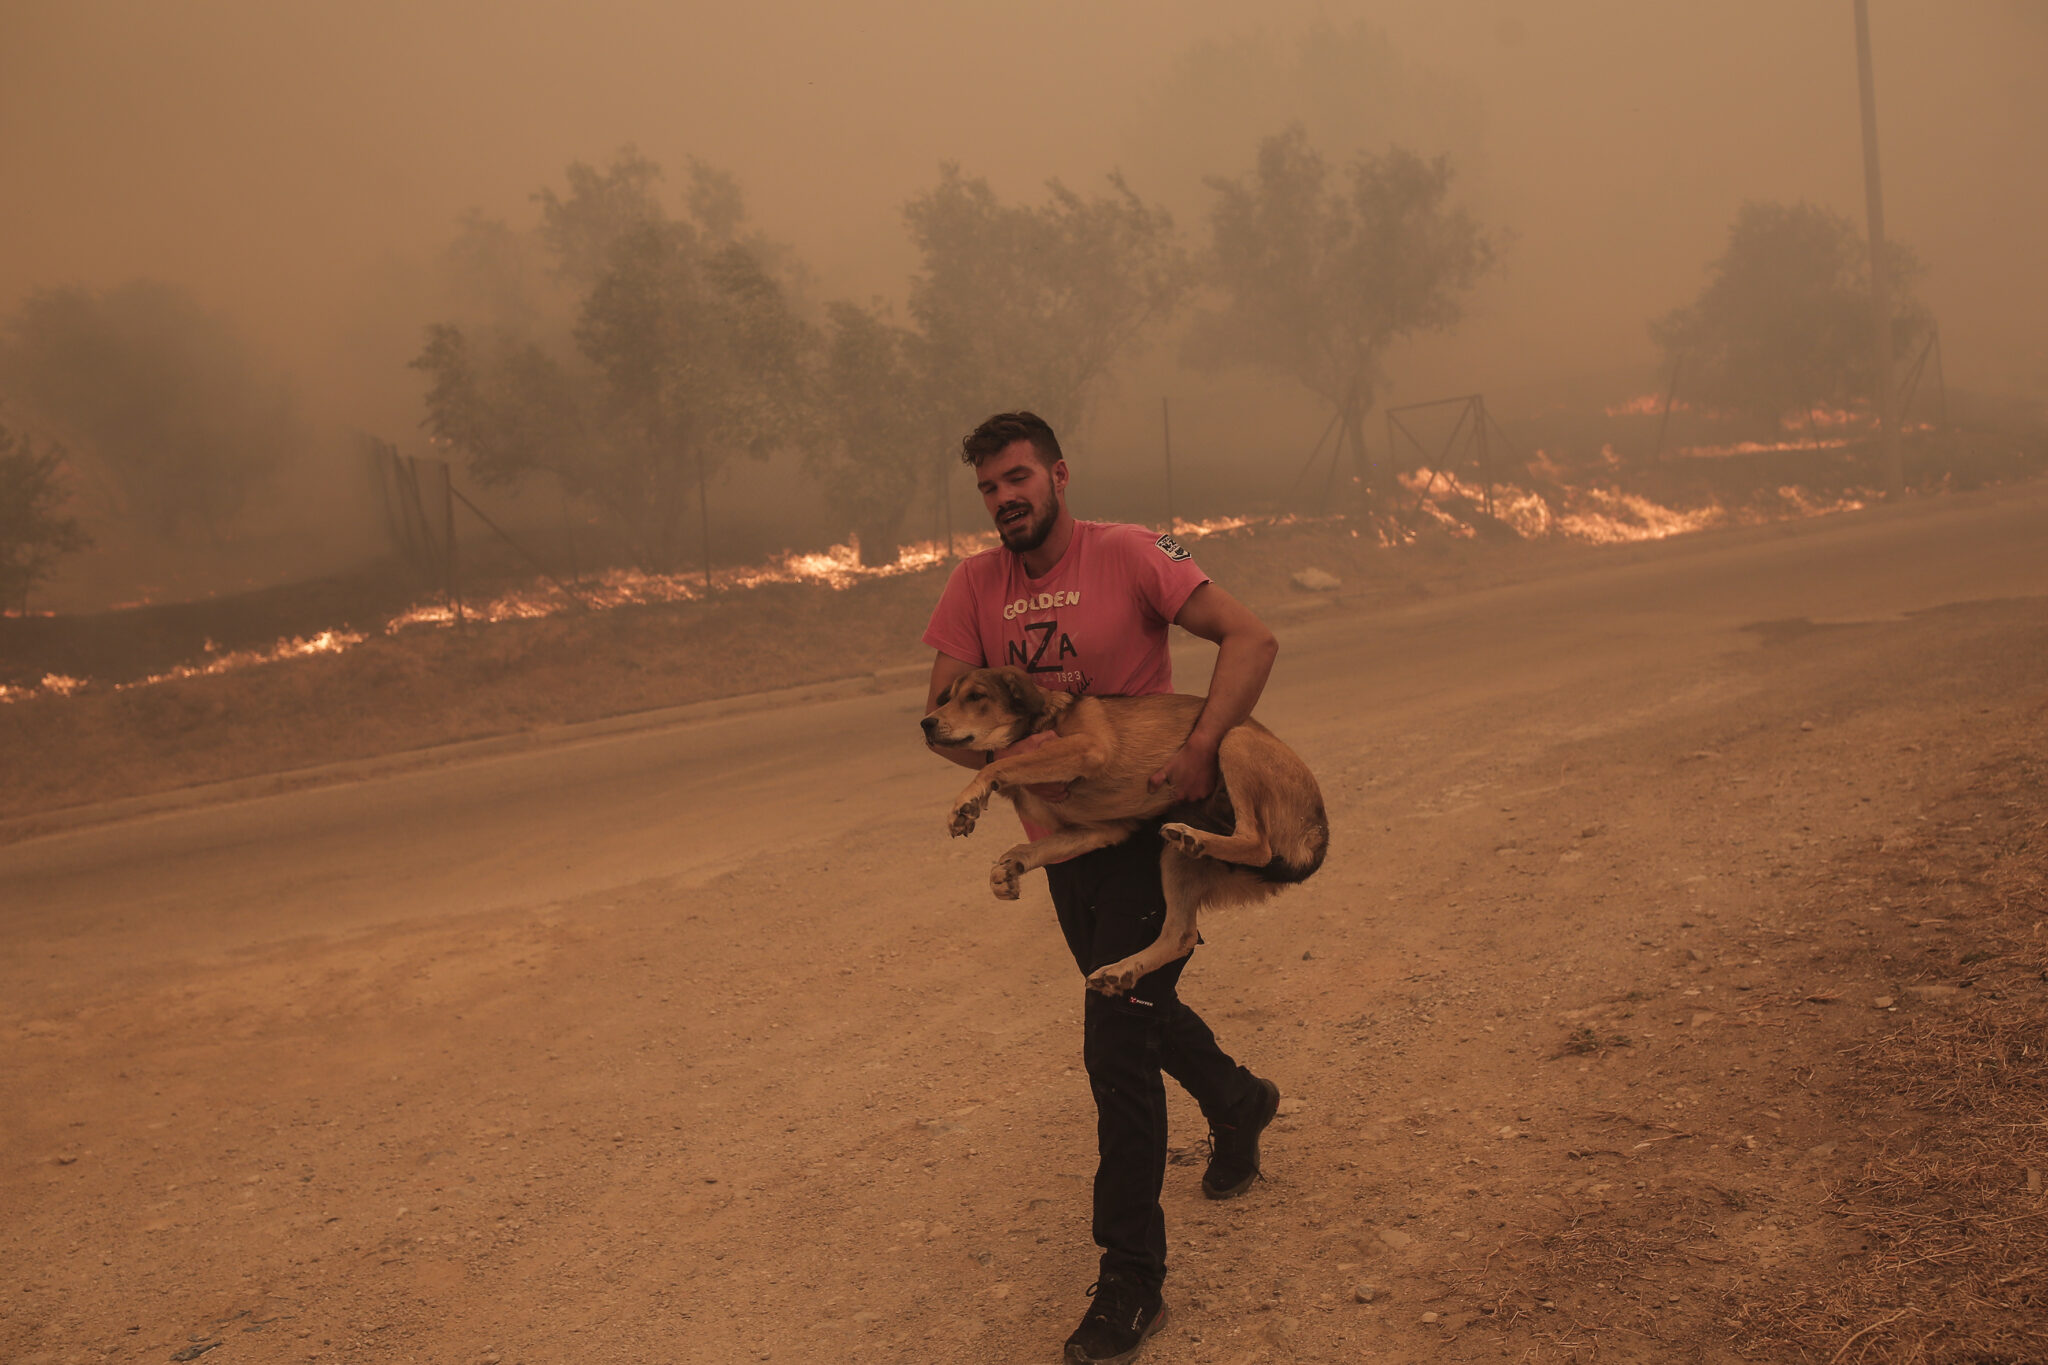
x: 1445, y: 502
x: 838, y: 568
x: 1601, y: 503
x: 1954, y: 1265
x: 1600, y: 514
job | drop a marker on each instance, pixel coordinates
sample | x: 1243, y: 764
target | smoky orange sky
x: 291, y: 163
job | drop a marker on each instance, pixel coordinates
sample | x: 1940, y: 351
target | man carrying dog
x: 1084, y: 606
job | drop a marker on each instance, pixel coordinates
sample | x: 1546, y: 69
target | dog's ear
x: 1025, y: 699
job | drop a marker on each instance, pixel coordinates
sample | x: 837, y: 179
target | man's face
x: 1021, y: 494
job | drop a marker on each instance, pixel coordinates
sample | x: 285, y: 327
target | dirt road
x: 705, y: 1044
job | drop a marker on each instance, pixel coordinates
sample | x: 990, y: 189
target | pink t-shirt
x: 1095, y: 624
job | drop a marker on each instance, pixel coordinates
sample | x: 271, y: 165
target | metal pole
x: 1670, y: 396
x: 1166, y: 436
x: 1314, y: 452
x: 1941, y: 373
x: 704, y: 515
x: 448, y: 533
x: 1336, y: 455
x: 1880, y: 272
x: 1485, y: 456
x: 524, y: 553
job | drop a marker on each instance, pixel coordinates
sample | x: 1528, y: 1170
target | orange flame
x: 1605, y: 516
x: 1710, y: 452
x: 53, y: 684
x: 1600, y: 516
x: 1645, y: 405
x: 297, y: 647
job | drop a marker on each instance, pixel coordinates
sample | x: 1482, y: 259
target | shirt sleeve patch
x: 1172, y: 548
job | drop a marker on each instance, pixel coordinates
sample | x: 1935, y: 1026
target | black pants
x: 1110, y: 906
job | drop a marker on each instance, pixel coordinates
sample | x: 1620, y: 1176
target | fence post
x: 448, y: 533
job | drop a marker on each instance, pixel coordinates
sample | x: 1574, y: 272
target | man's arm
x: 1245, y: 651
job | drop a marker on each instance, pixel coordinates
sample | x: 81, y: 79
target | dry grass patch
x: 1951, y: 1206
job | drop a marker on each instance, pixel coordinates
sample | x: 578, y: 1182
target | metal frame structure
x: 1910, y: 385
x: 1474, y: 422
x: 429, y: 548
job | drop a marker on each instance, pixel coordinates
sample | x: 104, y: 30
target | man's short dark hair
x: 1005, y: 429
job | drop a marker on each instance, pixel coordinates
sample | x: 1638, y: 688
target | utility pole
x: 1880, y: 270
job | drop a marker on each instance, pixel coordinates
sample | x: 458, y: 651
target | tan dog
x: 1264, y: 828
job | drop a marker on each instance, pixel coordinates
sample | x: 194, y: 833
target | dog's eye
x: 970, y: 696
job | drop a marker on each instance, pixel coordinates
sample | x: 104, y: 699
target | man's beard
x: 1024, y: 536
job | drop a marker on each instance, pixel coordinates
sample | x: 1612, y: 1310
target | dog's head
x: 991, y: 708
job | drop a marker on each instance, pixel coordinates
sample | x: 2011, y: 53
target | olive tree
x: 167, y: 397
x: 32, y: 533
x: 877, y: 440
x: 1318, y: 274
x: 1784, y: 321
x: 686, y: 351
x: 1031, y: 304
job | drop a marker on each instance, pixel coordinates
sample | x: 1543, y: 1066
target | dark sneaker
x: 1234, y: 1148
x: 1117, y: 1322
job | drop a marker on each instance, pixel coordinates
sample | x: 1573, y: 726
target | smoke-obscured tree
x: 492, y: 275
x: 602, y: 208
x: 876, y: 441
x: 1317, y: 279
x: 167, y: 397
x: 700, y: 358
x: 1345, y: 82
x: 32, y: 533
x: 1021, y: 305
x: 1784, y: 322
x: 685, y: 353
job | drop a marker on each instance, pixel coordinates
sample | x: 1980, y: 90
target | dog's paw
x: 1186, y: 838
x: 968, y: 810
x: 1002, y: 879
x: 1116, y: 979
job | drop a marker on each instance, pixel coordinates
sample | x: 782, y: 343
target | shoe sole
x: 1267, y: 1111
x: 1158, y: 1321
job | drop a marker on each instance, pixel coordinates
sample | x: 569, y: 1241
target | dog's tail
x: 1298, y: 860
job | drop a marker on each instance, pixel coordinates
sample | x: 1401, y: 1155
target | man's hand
x: 1053, y: 792
x: 1191, y: 772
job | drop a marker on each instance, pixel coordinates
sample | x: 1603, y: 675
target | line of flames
x: 1809, y: 420
x: 1819, y: 415
x: 1599, y: 516
x: 1604, y: 516
x: 218, y: 661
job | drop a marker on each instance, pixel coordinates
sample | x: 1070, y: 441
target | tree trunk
x: 1365, y: 490
x: 880, y: 545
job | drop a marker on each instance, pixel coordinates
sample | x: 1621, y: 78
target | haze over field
x: 430, y: 940
x: 300, y: 169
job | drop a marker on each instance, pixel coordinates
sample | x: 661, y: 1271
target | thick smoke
x: 304, y: 173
